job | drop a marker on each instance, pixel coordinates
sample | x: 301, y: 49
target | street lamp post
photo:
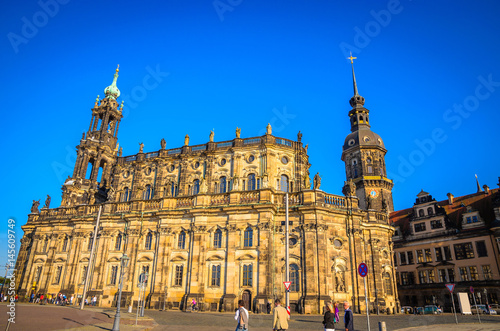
x: 124, y: 263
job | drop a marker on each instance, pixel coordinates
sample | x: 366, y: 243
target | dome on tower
x: 363, y: 137
x: 112, y: 90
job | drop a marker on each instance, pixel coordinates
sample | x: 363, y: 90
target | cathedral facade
x: 205, y: 222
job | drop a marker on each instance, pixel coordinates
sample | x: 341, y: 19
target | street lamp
x: 124, y: 263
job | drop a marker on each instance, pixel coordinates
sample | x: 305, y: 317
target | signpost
x: 363, y: 271
x: 450, y: 288
x: 287, y: 285
x: 475, y: 304
x: 287, y: 254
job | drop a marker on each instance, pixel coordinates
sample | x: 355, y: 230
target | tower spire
x: 357, y: 101
x: 355, y: 86
x: 479, y: 189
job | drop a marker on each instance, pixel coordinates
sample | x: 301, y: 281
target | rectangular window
x: 247, y: 275
x: 436, y: 224
x: 463, y: 274
x: 216, y: 275
x: 432, y: 276
x: 464, y: 251
x: 114, y: 272
x: 469, y: 220
x: 422, y: 277
x: 487, y: 272
x: 419, y: 227
x: 474, y: 219
x: 451, y: 275
x: 420, y: 256
x: 395, y: 260
x: 439, y: 254
x: 447, y: 253
x: 428, y: 255
x: 178, y: 275
x: 402, y: 258
x: 481, y: 249
x: 473, y: 273
x: 442, y: 275
x: 410, y: 257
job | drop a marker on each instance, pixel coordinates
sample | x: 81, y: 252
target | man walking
x: 348, y: 322
x: 281, y: 317
x: 241, y: 316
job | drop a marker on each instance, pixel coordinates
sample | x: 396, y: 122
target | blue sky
x: 429, y: 72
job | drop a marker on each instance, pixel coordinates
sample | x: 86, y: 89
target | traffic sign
x: 450, y: 287
x: 363, y: 269
x: 471, y: 289
x: 287, y: 285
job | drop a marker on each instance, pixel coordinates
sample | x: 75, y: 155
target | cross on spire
x: 352, y: 58
x: 355, y: 86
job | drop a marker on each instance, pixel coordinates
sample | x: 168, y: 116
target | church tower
x: 364, y: 156
x: 97, y: 151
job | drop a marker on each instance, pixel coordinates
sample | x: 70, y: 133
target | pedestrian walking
x: 71, y: 299
x: 241, y: 316
x: 336, y: 313
x: 268, y: 307
x: 94, y: 300
x: 329, y: 318
x: 280, y: 318
x: 348, y: 318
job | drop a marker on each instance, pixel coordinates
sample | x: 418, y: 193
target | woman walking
x: 329, y: 318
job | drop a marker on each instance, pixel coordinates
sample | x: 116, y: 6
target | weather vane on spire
x: 352, y: 58
x: 118, y: 67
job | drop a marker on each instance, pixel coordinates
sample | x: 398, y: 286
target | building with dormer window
x: 451, y: 241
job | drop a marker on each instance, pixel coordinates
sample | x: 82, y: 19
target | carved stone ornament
x: 349, y: 189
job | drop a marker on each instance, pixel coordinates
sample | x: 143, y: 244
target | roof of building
x: 481, y: 202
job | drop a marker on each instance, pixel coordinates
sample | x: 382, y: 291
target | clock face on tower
x: 373, y: 194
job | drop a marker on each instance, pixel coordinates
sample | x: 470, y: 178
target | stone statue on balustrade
x: 163, y: 143
x: 238, y: 132
x: 141, y: 148
x: 47, y: 202
x: 317, y: 181
x: 34, y: 206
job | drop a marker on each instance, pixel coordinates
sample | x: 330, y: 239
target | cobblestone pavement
x: 51, y: 317
x: 176, y: 321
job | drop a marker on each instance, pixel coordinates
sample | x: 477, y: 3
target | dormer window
x: 430, y: 211
x: 472, y: 219
x: 420, y: 213
x: 419, y: 227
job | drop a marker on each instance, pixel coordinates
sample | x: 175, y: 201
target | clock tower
x: 364, y: 156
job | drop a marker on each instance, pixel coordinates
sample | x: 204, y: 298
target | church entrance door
x: 247, y: 299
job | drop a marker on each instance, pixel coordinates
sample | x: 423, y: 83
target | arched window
x: 118, y: 243
x: 175, y: 190
x: 430, y: 211
x: 216, y: 275
x: 284, y: 183
x: 65, y: 244
x: 196, y: 186
x: 361, y: 119
x: 387, y: 283
x: 125, y: 195
x: 420, y: 213
x: 218, y: 239
x: 248, y: 239
x: 222, y: 185
x: 149, y: 239
x: 147, y: 192
x: 294, y: 278
x: 181, y: 243
x: 251, y: 182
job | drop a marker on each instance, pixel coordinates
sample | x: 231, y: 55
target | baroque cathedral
x: 206, y: 222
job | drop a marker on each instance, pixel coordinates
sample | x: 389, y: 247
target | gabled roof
x: 422, y: 194
x: 478, y: 201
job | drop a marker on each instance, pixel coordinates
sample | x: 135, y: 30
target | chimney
x: 450, y: 198
x: 486, y: 189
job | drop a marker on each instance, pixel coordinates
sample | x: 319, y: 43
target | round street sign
x: 363, y: 269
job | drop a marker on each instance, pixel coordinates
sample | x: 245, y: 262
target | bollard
x: 381, y: 326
